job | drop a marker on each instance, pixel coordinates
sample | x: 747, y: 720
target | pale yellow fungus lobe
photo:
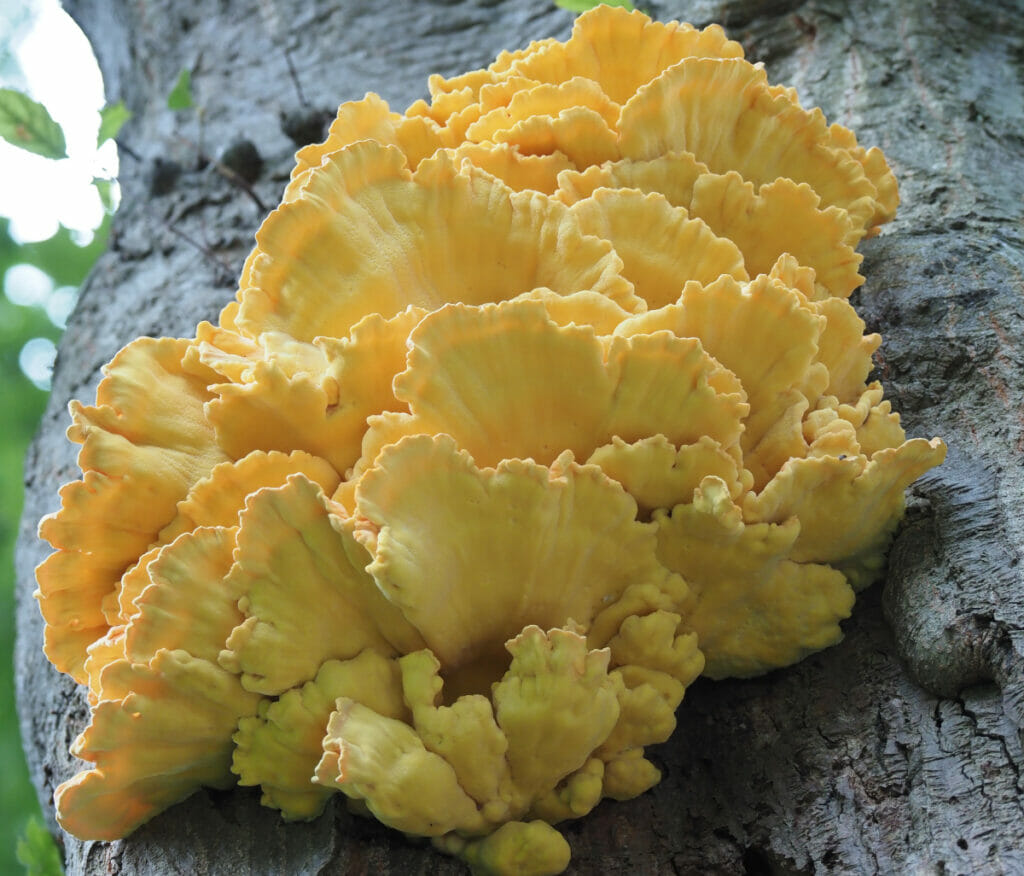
x: 279, y: 747
x: 217, y: 499
x: 780, y: 217
x: 662, y: 248
x: 726, y: 114
x: 334, y: 254
x: 140, y: 768
x: 187, y: 605
x: 517, y: 848
x: 658, y: 474
x: 856, y: 502
x: 481, y: 762
x: 595, y: 51
x: 755, y: 608
x: 777, y: 368
x: 315, y: 397
x: 384, y: 762
x: 446, y: 555
x: 508, y: 382
x: 516, y: 169
x: 144, y: 444
x: 302, y: 588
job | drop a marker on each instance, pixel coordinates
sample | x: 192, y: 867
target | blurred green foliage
x: 24, y: 840
x: 36, y: 851
x: 584, y: 5
x: 112, y: 118
x: 23, y: 406
x: 59, y: 256
x: 180, y: 97
x: 67, y: 263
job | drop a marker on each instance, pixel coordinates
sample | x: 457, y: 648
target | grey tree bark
x: 900, y: 750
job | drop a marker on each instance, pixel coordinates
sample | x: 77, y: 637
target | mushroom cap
x: 661, y: 246
x: 315, y: 397
x: 518, y: 170
x: 480, y: 762
x: 623, y: 50
x: 383, y: 761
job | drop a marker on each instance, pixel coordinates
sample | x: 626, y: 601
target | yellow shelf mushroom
x: 535, y: 402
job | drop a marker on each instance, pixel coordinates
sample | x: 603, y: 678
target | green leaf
x: 584, y: 5
x: 37, y: 852
x: 105, y: 189
x: 112, y: 117
x: 28, y: 124
x: 180, y: 97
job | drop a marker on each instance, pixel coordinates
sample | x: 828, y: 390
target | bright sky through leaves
x: 60, y: 72
x: 51, y: 85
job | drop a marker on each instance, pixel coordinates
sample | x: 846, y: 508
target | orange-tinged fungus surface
x: 140, y: 766
x: 535, y: 402
x: 726, y: 114
x: 778, y: 218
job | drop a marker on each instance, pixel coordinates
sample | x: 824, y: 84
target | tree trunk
x: 899, y: 750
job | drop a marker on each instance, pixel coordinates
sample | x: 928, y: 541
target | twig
x: 238, y: 182
x: 203, y: 248
x: 295, y: 77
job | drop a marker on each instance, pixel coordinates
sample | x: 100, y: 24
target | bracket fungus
x: 535, y: 402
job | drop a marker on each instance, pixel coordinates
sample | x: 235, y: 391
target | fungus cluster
x: 535, y: 402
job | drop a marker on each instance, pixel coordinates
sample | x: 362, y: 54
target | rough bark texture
x: 898, y: 751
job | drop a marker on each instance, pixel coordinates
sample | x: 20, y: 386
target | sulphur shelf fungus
x: 535, y: 402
